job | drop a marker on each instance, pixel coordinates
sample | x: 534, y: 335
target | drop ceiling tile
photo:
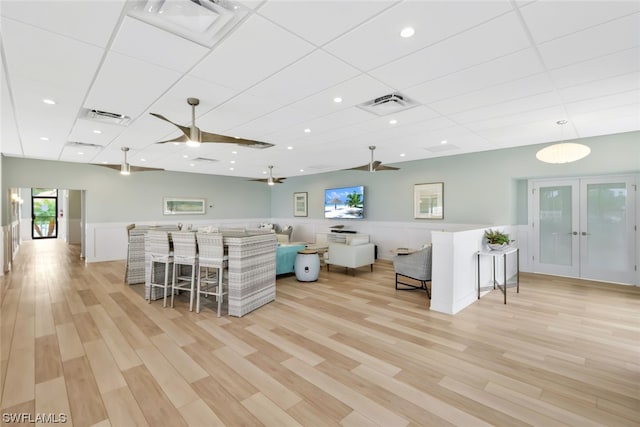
x: 91, y: 22
x: 610, y: 121
x: 618, y: 63
x: 507, y: 68
x: 236, y: 112
x: 433, y: 22
x: 337, y: 120
x: 612, y: 85
x: 531, y: 103
x: 528, y: 86
x: 9, y: 136
x: 322, y: 21
x: 481, y: 44
x: 145, y: 132
x: 545, y: 116
x: 547, y: 20
x: 313, y: 73
x: 272, y: 122
x: 83, y: 131
x: 354, y: 91
x: 605, y: 39
x: 250, y: 54
x: 604, y: 103
x: 151, y: 44
x: 525, y: 133
x: 128, y: 86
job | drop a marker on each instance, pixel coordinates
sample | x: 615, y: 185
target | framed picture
x: 300, y: 204
x: 428, y: 201
x: 182, y: 206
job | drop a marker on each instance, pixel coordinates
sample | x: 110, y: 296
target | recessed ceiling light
x: 97, y: 131
x: 176, y: 143
x: 80, y: 153
x: 444, y: 141
x: 307, y: 130
x: 562, y: 122
x: 264, y: 172
x: 49, y: 101
x: 337, y: 100
x: 44, y: 138
x: 234, y: 152
x: 192, y: 164
x: 185, y: 156
x: 104, y: 163
x: 143, y: 160
x: 289, y: 148
x: 407, y: 32
x: 393, y: 121
x: 402, y: 154
x: 232, y: 162
x: 301, y: 170
x: 231, y: 169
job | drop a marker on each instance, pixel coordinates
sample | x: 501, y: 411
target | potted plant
x: 496, y: 239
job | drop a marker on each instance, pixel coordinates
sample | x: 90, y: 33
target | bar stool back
x: 156, y: 245
x: 184, y: 254
x: 211, y: 256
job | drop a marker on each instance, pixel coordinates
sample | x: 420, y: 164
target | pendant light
x: 564, y: 152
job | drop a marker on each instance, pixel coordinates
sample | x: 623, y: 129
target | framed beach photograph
x: 428, y: 201
x: 183, y: 206
x: 300, y: 204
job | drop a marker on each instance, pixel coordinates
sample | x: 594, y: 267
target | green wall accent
x: 479, y: 188
x: 112, y: 197
x: 487, y: 187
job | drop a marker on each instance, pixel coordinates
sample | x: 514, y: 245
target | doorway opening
x: 44, y: 213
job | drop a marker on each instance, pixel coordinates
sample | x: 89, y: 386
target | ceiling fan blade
x: 206, y: 137
x: 181, y: 138
x: 386, y: 168
x: 275, y: 180
x: 132, y: 168
x: 185, y: 129
x: 360, y: 168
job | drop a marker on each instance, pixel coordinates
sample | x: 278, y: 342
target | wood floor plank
x: 85, y: 401
x: 52, y: 400
x: 348, y: 349
x: 48, y: 361
x: 123, y: 409
x: 156, y: 407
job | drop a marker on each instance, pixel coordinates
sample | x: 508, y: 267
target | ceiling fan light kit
x: 125, y: 168
x: 374, y: 165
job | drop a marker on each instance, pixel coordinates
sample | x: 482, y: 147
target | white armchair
x: 350, y: 256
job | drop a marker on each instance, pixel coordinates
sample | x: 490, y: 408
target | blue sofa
x: 286, y: 258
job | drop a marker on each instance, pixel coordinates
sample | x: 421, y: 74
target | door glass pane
x: 607, y: 236
x: 555, y: 225
x: 44, y: 217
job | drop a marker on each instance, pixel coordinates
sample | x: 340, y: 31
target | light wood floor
x: 346, y: 350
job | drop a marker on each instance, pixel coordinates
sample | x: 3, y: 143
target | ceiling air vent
x: 106, y: 117
x: 388, y: 104
x: 202, y: 21
x: 205, y: 160
x: 83, y: 145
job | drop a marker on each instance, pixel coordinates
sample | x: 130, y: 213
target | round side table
x: 307, y: 265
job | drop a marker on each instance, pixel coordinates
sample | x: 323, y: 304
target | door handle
x: 575, y: 233
x: 584, y: 233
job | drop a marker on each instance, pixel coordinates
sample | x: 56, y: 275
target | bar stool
x: 156, y: 245
x: 184, y: 254
x: 211, y: 255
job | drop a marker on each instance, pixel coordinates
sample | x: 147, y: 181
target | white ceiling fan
x: 374, y: 166
x: 125, y: 168
x: 270, y: 180
x: 193, y: 136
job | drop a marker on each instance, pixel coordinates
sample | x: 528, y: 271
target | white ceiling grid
x: 486, y: 75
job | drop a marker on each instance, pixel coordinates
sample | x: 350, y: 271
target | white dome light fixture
x: 564, y: 152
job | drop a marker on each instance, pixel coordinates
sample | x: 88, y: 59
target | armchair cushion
x: 351, y: 256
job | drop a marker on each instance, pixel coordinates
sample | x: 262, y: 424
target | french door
x: 44, y: 213
x: 585, y: 228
